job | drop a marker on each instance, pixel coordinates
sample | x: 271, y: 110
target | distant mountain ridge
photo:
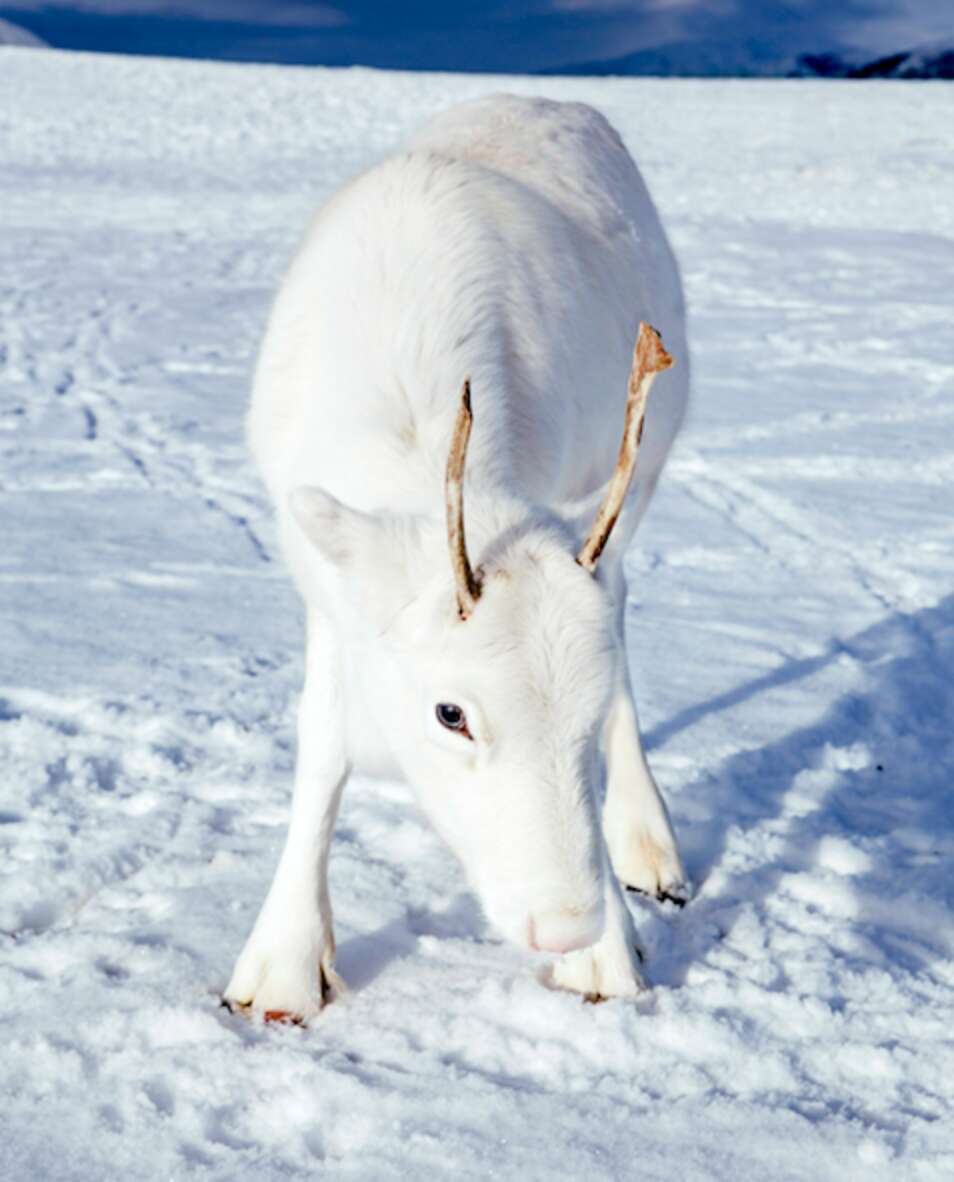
x: 11, y: 34
x: 927, y: 61
x: 692, y: 38
x: 757, y: 59
x: 693, y: 59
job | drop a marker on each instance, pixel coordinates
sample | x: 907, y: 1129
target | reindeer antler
x: 468, y: 587
x: 649, y: 359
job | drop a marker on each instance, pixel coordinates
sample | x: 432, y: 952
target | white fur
x: 514, y: 242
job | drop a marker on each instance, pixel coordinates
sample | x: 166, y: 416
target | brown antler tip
x: 649, y: 359
x: 651, y: 355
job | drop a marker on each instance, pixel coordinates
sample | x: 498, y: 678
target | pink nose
x: 563, y: 931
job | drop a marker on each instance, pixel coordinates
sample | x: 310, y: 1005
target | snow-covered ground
x: 792, y: 635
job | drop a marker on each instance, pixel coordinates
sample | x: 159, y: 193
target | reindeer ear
x: 380, y: 551
x: 333, y: 528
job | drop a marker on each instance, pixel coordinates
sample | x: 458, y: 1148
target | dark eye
x: 453, y: 718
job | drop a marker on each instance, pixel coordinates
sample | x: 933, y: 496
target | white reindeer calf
x: 512, y: 244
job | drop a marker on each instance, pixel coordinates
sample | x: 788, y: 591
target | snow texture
x: 791, y: 634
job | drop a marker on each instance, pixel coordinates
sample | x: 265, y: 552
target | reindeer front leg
x: 610, y: 967
x: 286, y: 969
x: 640, y: 843
x: 636, y: 823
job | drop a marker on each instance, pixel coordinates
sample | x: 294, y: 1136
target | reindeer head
x: 492, y: 690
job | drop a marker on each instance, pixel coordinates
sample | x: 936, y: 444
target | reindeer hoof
x: 284, y: 1018
x: 605, y: 970
x: 678, y: 893
x: 288, y: 986
x: 276, y: 1017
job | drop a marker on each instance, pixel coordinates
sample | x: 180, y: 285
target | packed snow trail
x: 791, y: 634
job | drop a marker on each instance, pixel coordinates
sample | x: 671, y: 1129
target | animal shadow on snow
x: 363, y: 958
x: 889, y: 751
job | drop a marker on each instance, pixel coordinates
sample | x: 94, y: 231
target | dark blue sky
x: 520, y: 36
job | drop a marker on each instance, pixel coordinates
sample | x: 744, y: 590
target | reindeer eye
x: 453, y: 718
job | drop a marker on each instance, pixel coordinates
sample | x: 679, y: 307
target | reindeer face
x: 495, y: 719
x: 498, y: 729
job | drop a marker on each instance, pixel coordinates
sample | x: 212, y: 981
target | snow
x: 791, y: 633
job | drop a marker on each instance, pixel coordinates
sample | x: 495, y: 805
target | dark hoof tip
x: 660, y: 896
x: 283, y: 1018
